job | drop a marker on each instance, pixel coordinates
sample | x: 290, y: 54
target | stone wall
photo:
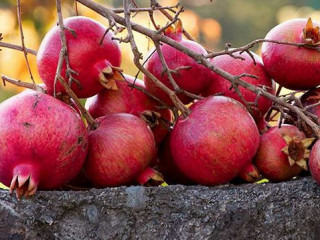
x: 289, y: 210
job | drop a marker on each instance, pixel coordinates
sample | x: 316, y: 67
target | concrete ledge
x: 289, y: 210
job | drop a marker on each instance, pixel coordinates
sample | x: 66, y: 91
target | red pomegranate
x: 150, y: 177
x: 314, y: 162
x: 119, y: 150
x: 95, y: 62
x: 291, y: 66
x: 282, y: 153
x: 250, y: 173
x: 43, y: 143
x: 216, y: 141
x: 236, y: 67
x: 130, y: 100
x: 188, y: 74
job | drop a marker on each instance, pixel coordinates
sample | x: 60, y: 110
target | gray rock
x: 289, y: 210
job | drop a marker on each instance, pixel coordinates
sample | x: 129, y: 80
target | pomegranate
x: 130, y: 100
x: 250, y: 173
x: 282, y: 153
x: 95, y: 62
x: 43, y: 143
x: 119, y: 150
x: 187, y: 73
x: 168, y: 167
x: 314, y: 162
x: 150, y: 177
x: 291, y: 66
x: 236, y: 67
x: 216, y: 141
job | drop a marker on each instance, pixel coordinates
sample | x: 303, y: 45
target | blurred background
x: 212, y: 23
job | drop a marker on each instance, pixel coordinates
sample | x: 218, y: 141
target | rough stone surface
x: 289, y: 210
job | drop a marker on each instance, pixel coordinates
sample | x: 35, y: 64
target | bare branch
x: 16, y: 47
x: 20, y: 83
x: 22, y: 40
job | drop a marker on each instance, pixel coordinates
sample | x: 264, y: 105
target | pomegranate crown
x: 174, y: 32
x: 311, y: 34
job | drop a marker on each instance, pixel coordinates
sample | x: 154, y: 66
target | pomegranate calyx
x: 311, y: 35
x: 297, y: 150
x: 174, y: 32
x: 150, y: 177
x: 151, y: 118
x: 24, y: 181
x: 109, y: 75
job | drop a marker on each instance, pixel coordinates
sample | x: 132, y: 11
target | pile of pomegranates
x: 138, y: 137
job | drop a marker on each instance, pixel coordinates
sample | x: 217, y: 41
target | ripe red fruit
x: 314, y: 162
x: 94, y: 62
x: 291, y: 66
x: 282, y: 153
x: 189, y: 75
x: 119, y: 150
x: 250, y: 173
x: 43, y: 143
x: 236, y: 67
x: 216, y: 141
x: 130, y: 100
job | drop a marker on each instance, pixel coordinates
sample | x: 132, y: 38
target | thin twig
x: 20, y: 83
x: 152, y: 9
x: 22, y: 40
x: 16, y: 47
x: 250, y: 45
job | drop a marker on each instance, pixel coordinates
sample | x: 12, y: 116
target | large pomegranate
x: 94, y: 61
x: 216, y: 141
x: 239, y: 66
x: 282, y: 153
x: 43, y: 143
x: 188, y: 74
x: 130, y: 100
x: 119, y: 150
x: 291, y: 66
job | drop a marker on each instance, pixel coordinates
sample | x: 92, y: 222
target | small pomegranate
x: 314, y: 162
x: 282, y: 153
x: 150, y: 177
x: 92, y: 55
x: 239, y: 66
x: 216, y: 141
x: 250, y: 173
x: 188, y: 74
x: 43, y: 143
x: 291, y: 66
x: 130, y: 100
x: 119, y: 150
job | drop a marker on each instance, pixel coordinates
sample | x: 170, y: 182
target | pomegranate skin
x: 216, y: 141
x: 119, y: 150
x: 290, y: 66
x: 129, y: 100
x: 237, y: 67
x: 270, y: 160
x: 194, y: 80
x: 86, y: 55
x: 41, y: 138
x: 314, y: 162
